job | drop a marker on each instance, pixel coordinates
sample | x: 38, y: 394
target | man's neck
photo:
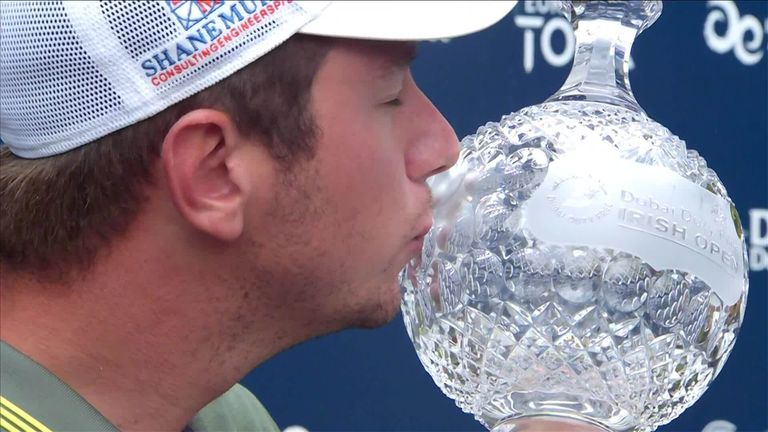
x: 133, y: 349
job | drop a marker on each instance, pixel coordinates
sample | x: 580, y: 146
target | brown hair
x: 60, y: 211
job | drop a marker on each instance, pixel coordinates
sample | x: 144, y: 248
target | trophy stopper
x: 637, y: 14
x: 605, y: 31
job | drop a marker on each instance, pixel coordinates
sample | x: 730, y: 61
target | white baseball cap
x: 74, y: 71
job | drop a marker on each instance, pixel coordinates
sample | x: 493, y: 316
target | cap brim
x: 406, y: 20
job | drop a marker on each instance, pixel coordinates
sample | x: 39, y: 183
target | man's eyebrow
x: 400, y: 58
x: 409, y: 55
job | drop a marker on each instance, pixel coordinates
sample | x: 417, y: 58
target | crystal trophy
x: 585, y: 271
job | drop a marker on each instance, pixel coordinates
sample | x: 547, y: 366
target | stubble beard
x: 312, y: 293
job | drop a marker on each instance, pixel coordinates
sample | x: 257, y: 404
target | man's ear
x: 208, y: 185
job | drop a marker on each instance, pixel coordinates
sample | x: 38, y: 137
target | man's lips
x: 424, y: 226
x: 417, y: 243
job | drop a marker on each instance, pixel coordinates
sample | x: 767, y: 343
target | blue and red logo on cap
x: 211, y: 25
x: 191, y: 12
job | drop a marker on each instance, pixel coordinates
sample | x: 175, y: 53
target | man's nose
x: 435, y: 147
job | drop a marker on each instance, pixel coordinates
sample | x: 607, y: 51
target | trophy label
x: 648, y: 211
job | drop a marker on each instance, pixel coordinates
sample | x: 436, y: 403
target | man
x: 182, y: 200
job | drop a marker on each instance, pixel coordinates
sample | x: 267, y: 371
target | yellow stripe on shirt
x: 6, y: 425
x: 15, y: 423
x: 10, y: 406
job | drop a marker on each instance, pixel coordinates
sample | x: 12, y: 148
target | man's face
x: 352, y: 217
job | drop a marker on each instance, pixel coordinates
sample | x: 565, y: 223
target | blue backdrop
x: 700, y: 71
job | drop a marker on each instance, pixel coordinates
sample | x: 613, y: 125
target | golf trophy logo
x: 585, y: 271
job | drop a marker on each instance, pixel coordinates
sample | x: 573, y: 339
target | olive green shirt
x: 32, y: 399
